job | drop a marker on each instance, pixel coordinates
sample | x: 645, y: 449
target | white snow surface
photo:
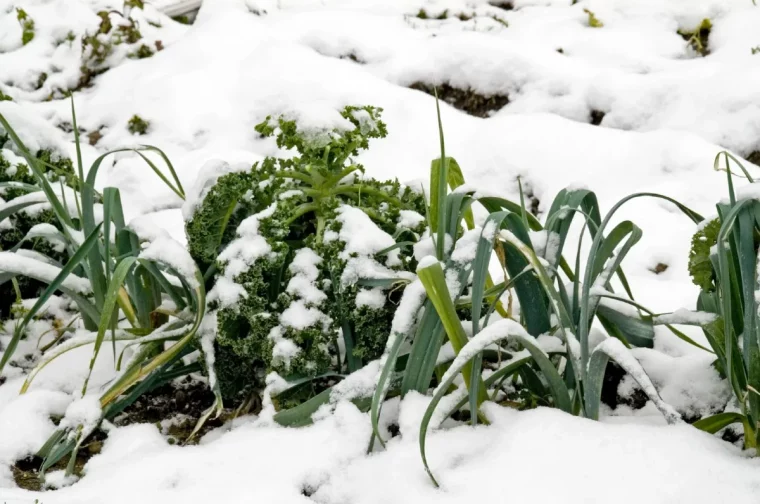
x: 21, y: 264
x: 667, y: 113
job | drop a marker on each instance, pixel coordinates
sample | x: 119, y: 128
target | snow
x: 689, y: 383
x: 625, y: 359
x: 23, y: 265
x: 499, y: 330
x: 284, y: 349
x: 426, y: 262
x: 406, y: 313
x: 207, y: 177
x: 226, y: 292
x: 372, y: 298
x: 21, y: 439
x: 170, y: 252
x: 362, y: 239
x: 207, y: 334
x: 84, y: 412
x: 243, y: 251
x: 684, y: 316
x: 409, y: 219
x: 328, y: 458
x: 466, y: 247
x: 298, y: 316
x: 305, y: 274
x: 667, y: 112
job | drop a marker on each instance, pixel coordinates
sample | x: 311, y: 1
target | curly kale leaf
x: 700, y: 265
x: 210, y: 225
x: 328, y: 150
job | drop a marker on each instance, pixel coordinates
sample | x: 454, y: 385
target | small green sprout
x: 27, y: 25
x: 593, y: 21
x: 698, y: 38
x: 137, y: 125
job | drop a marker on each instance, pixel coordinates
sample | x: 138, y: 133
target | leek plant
x: 724, y: 262
x: 556, y: 300
x: 121, y: 288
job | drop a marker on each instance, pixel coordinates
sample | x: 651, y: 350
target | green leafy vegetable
x: 700, y: 264
x: 306, y: 256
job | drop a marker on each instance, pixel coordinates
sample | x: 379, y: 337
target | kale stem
x: 346, y: 171
x: 366, y: 190
x: 295, y: 175
x: 301, y: 210
x: 320, y: 227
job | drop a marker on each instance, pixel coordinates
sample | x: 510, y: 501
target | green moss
x: 182, y: 20
x: 755, y: 50
x: 138, y: 126
x: 4, y: 97
x: 27, y: 26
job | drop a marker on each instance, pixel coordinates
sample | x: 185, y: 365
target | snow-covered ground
x: 667, y: 112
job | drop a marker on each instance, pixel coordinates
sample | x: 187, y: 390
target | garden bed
x: 278, y: 304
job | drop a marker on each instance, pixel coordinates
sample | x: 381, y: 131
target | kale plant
x: 309, y: 257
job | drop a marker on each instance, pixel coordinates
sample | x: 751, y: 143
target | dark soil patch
x: 26, y: 472
x: 353, y: 57
x: 308, y: 491
x: 187, y: 400
x: 732, y: 435
x: 659, y: 268
x: 468, y: 101
x: 533, y: 203
x: 700, y: 38
x: 94, y: 137
x: 613, y: 375
x: 597, y: 116
x: 502, y: 5
x: 184, y: 402
x: 394, y: 430
x: 754, y: 157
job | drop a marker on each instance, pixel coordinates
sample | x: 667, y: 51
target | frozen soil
x: 174, y: 408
